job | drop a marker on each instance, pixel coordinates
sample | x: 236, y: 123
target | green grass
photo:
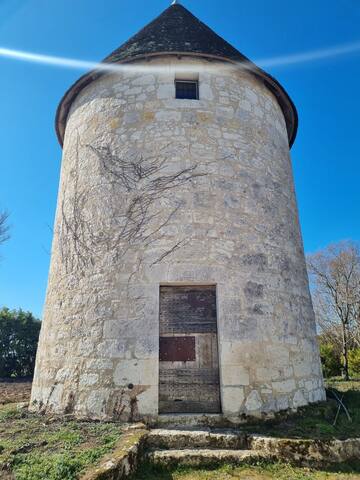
x: 317, y: 421
x: 33, y: 447
x: 259, y: 471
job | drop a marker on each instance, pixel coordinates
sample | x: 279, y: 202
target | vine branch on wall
x: 127, y: 208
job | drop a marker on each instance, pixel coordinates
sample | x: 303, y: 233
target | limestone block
x: 88, y: 379
x: 266, y: 374
x: 63, y: 374
x: 144, y: 80
x: 282, y: 402
x: 131, y: 117
x: 56, y: 395
x: 148, y: 116
x: 232, y: 399
x: 96, y: 401
x: 206, y: 92
x: 308, y: 345
x: 317, y: 395
x: 253, y: 401
x: 145, y: 347
x: 168, y: 116
x: 129, y: 327
x: 279, y: 355
x: 258, y: 111
x: 234, y: 375
x: 86, y: 346
x: 136, y: 372
x: 40, y: 395
x: 302, y: 369
x: 225, y: 112
x: 252, y: 96
x: 299, y: 400
x: 166, y: 91
x: 189, y: 117
x: 99, y: 364
x: 132, y: 91
x: 205, y: 116
x: 111, y: 349
x: 147, y: 401
x: 310, y: 384
x: 285, y: 386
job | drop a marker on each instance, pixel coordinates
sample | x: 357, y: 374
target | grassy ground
x: 35, y: 448
x: 317, y: 421
x: 278, y: 471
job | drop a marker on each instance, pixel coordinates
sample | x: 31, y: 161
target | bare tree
x: 335, y: 279
x: 4, y: 227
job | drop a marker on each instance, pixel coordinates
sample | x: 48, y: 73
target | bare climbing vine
x: 128, y: 210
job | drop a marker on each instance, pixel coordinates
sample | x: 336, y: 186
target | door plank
x: 189, y: 367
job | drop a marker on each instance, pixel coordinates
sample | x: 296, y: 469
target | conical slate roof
x: 177, y: 31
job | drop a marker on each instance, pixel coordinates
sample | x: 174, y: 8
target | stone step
x: 193, y: 420
x: 202, y: 457
x: 204, y: 438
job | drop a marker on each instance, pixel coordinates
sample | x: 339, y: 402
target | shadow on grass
x: 147, y: 471
x: 277, y: 470
x: 348, y: 467
x: 317, y: 421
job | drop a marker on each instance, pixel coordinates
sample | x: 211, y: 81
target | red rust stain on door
x: 177, y: 349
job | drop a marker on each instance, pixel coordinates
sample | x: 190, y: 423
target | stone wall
x: 205, y: 195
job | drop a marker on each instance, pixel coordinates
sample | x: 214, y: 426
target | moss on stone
x: 124, y: 458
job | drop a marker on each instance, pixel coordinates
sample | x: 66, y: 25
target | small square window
x: 187, y: 89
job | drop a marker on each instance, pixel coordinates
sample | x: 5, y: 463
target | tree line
x: 19, y: 333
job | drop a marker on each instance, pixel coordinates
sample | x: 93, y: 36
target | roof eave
x: 286, y: 104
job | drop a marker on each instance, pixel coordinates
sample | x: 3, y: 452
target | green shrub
x: 330, y: 360
x: 354, y: 363
x: 19, y: 334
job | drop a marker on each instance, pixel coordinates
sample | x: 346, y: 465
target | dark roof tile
x: 176, y: 30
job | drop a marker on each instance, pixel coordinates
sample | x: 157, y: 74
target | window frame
x: 194, y: 81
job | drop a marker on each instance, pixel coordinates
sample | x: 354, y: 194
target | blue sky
x: 326, y: 93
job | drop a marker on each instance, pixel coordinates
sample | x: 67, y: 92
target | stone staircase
x: 206, y: 446
x: 199, y: 447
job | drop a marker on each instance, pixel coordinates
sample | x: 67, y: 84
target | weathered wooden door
x: 189, y: 362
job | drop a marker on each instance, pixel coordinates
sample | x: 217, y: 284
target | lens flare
x: 310, y: 56
x: 279, y: 61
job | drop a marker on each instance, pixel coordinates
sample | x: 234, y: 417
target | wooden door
x: 189, y: 361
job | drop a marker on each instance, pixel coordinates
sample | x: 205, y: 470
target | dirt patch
x: 15, y: 391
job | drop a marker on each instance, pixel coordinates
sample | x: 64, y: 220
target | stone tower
x: 177, y: 280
